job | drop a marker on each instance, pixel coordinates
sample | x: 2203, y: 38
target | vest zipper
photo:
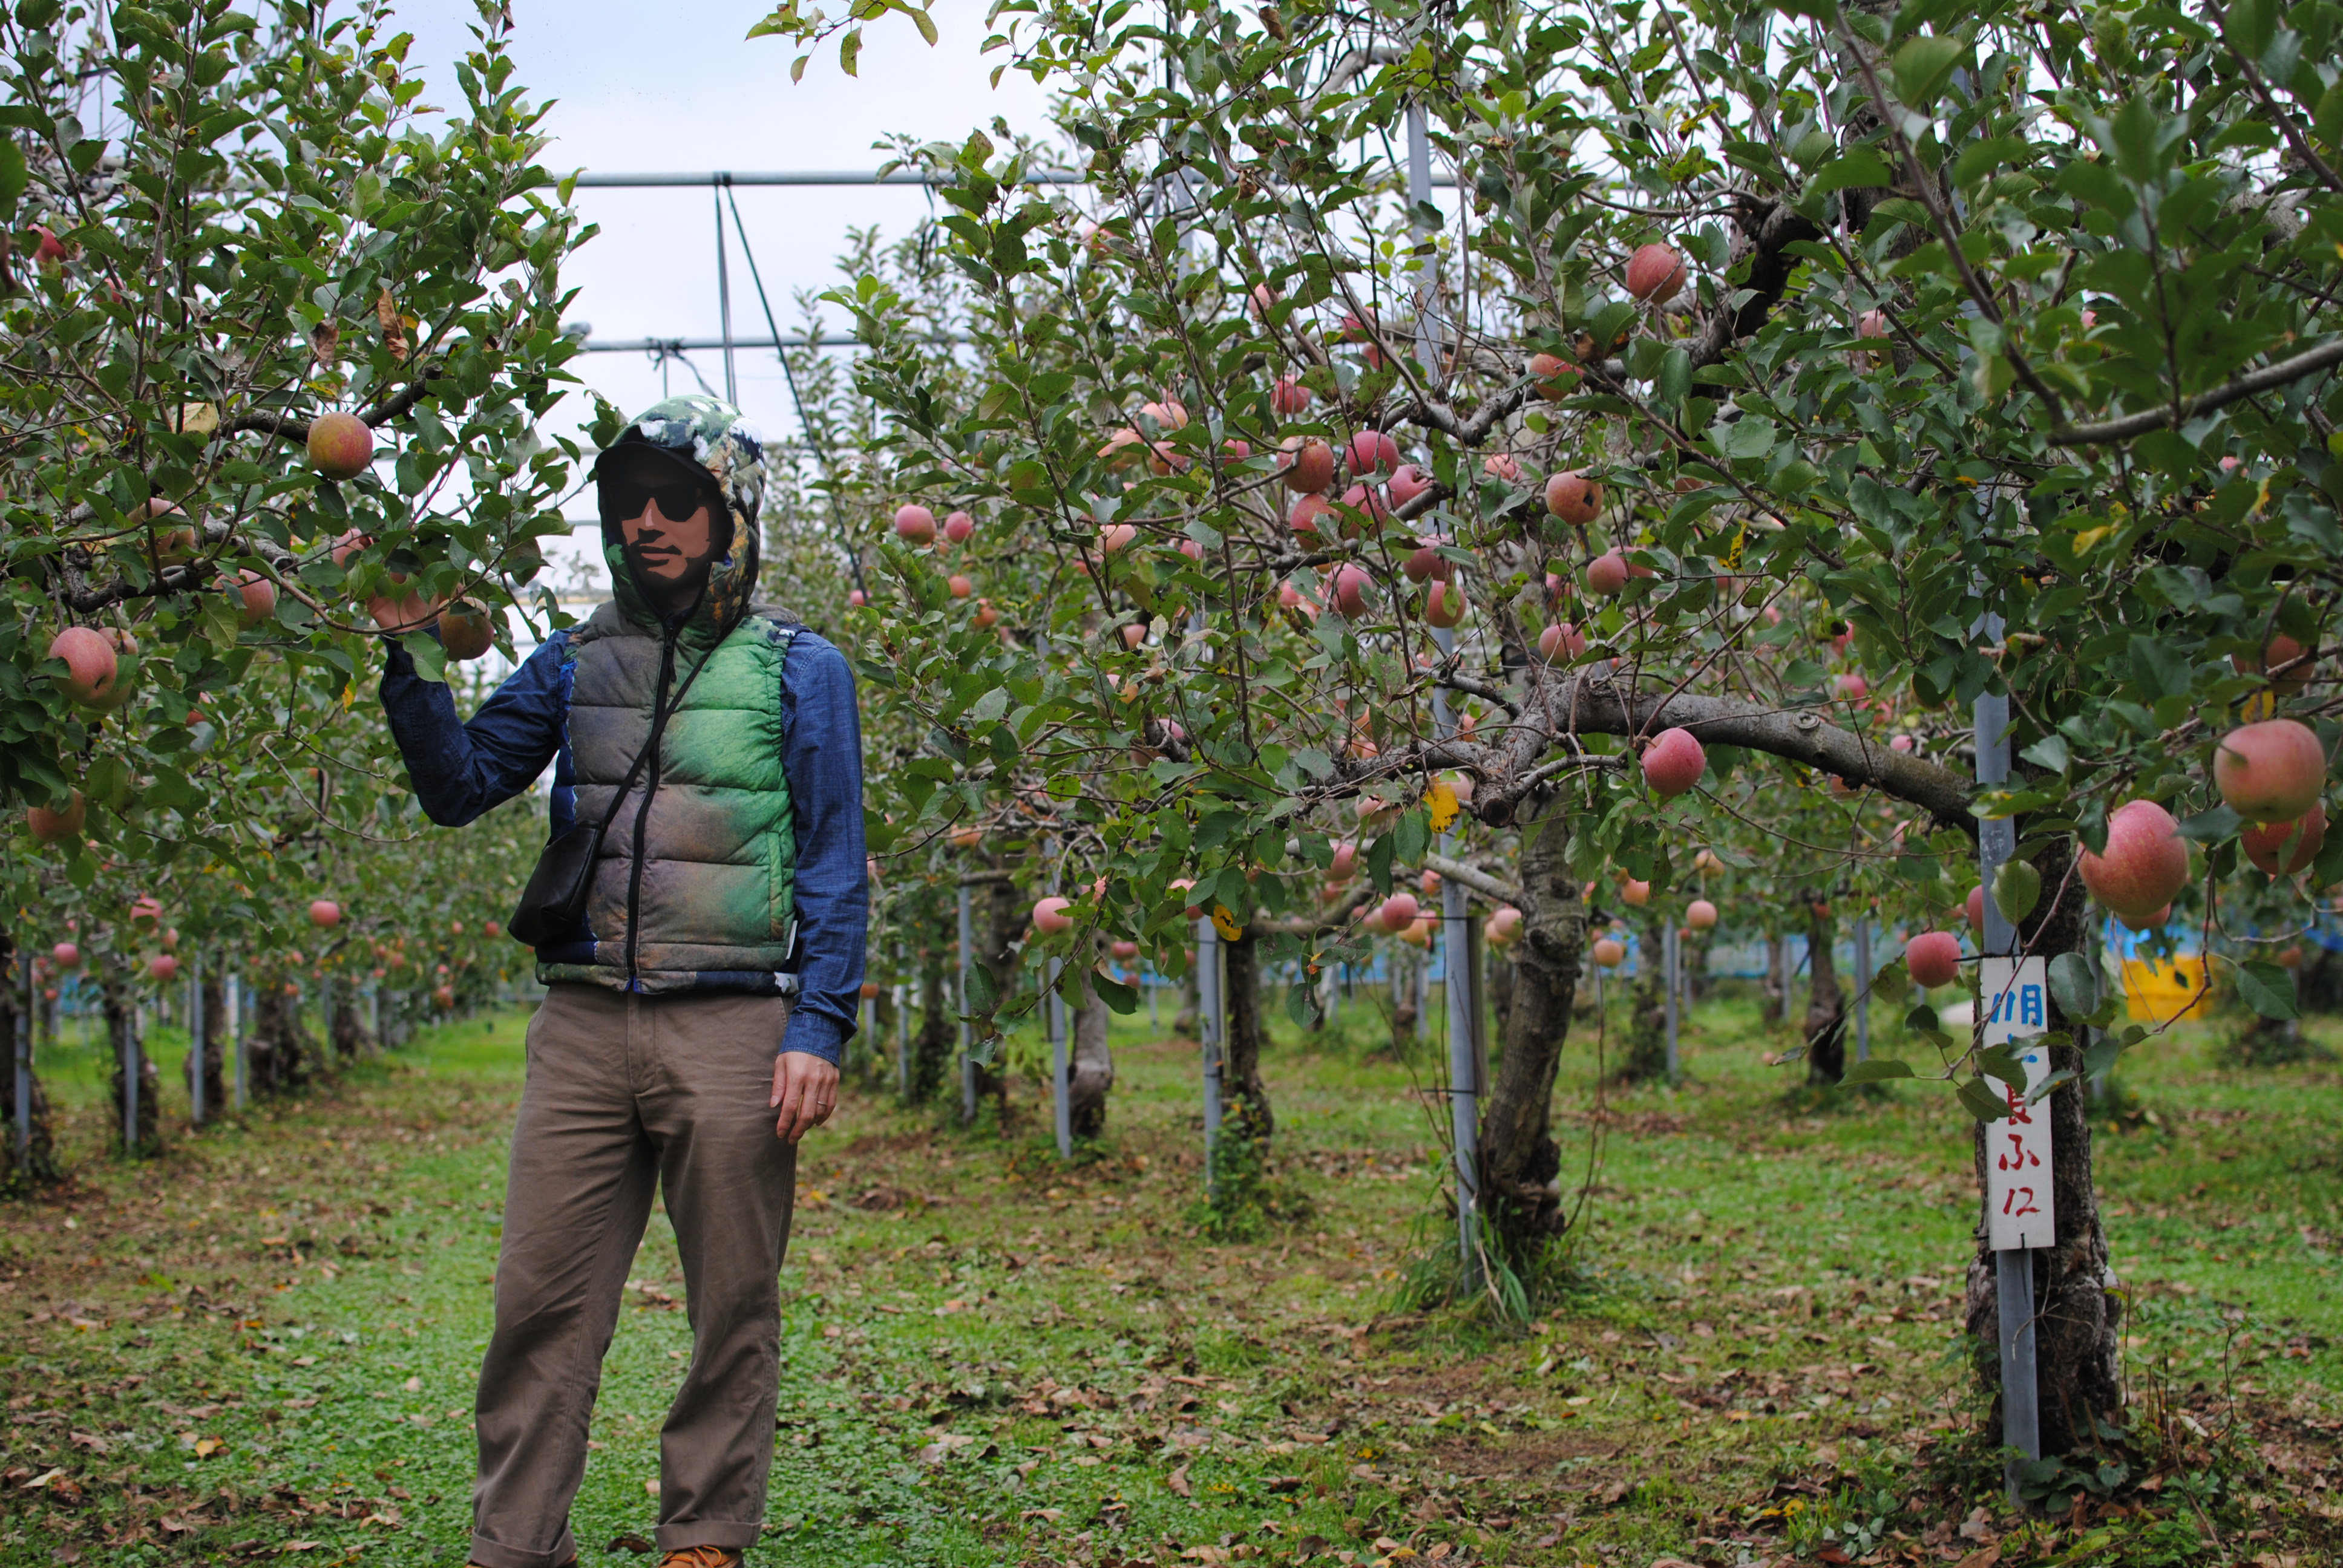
x: 643, y: 811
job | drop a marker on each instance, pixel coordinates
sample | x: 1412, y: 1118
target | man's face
x: 665, y: 521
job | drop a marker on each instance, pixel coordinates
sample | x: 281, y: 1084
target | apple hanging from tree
x: 2146, y: 863
x: 1656, y: 274
x: 2273, y: 772
x: 1933, y: 959
x: 1606, y: 573
x: 67, y: 955
x: 92, y: 665
x: 465, y: 630
x: 1700, y: 915
x: 163, y: 966
x: 51, y: 827
x: 324, y: 913
x: 1609, y: 952
x: 1573, y: 498
x: 914, y: 524
x: 1674, y: 762
x: 1049, y: 916
x: 1307, y: 462
x: 341, y: 445
x: 2282, y: 849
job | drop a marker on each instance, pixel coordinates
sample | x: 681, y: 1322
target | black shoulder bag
x: 554, y: 903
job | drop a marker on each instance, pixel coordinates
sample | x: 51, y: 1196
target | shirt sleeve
x: 822, y: 758
x: 460, y: 769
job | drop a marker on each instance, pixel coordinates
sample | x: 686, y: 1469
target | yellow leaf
x: 2089, y: 537
x: 1226, y: 923
x: 1440, y: 801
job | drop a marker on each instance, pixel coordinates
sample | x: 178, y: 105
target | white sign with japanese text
x: 2017, y: 1186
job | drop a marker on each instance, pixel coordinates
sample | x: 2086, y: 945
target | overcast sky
x: 642, y: 88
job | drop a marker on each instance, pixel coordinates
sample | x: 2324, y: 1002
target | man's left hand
x: 805, y: 1091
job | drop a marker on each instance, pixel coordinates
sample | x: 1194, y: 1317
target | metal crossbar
x: 804, y: 177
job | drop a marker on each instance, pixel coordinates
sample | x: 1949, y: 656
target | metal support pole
x: 1671, y: 955
x: 195, y: 1037
x: 236, y: 1034
x: 1062, y: 1071
x: 2021, y: 1428
x: 1862, y: 990
x: 724, y: 290
x: 1464, y: 1068
x: 24, y: 1043
x: 130, y: 1061
x: 1209, y: 1018
x: 2021, y: 1415
x: 967, y: 1028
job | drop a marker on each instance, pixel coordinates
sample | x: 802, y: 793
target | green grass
x: 992, y: 1357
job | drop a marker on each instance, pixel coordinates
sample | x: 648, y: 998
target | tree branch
x: 1472, y: 876
x: 2307, y: 363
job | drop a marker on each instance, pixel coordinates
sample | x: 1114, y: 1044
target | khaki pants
x: 626, y: 1094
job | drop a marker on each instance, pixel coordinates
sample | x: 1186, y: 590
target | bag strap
x: 662, y: 712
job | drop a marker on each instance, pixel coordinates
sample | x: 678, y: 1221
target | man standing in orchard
x: 695, y: 1014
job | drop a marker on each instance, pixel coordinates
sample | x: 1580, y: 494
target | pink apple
x: 1609, y: 952
x: 2273, y: 772
x: 1307, y: 462
x: 1503, y: 928
x: 2297, y: 841
x: 1372, y: 452
x: 1656, y: 274
x: 1445, y: 605
x: 2146, y: 861
x: 1606, y: 573
x: 92, y: 665
x: 1673, y: 763
x: 1289, y: 396
x: 959, y: 585
x: 1700, y: 915
x: 1397, y: 912
x: 163, y: 966
x: 341, y: 445
x: 959, y: 527
x: 325, y: 914
x: 1348, y: 590
x: 1933, y: 959
x: 1632, y: 893
x: 1573, y: 498
x: 1853, y: 687
x: 67, y: 955
x: 1425, y: 563
x: 1049, y: 916
x: 1407, y: 482
x: 914, y: 524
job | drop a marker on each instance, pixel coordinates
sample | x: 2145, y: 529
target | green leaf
x: 1981, y: 1101
x: 1879, y: 1070
x: 2073, y: 986
x: 983, y: 995
x: 14, y: 175
x: 1118, y: 997
x: 1924, y: 65
x: 2267, y: 989
x: 2041, y: 1092
x: 430, y: 659
x: 2017, y: 889
x: 849, y: 50
x: 2212, y: 827
x: 925, y: 23
x: 1858, y: 165
x: 2000, y: 1062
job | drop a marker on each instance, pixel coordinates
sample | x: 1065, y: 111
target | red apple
x: 1673, y: 763
x: 2281, y: 649
x: 1289, y: 396
x: 855, y: 599
x: 1237, y: 450
x: 961, y: 587
x: 1348, y: 591
x: 1049, y: 916
x: 1502, y: 466
x: 1194, y: 550
x: 341, y: 445
x: 2298, y: 841
x: 1609, y: 952
x: 959, y: 527
x: 1407, y: 482
x: 324, y: 912
x: 67, y: 955
x: 491, y: 929
x: 1307, y: 515
x: 444, y: 997
x: 1117, y: 538
x: 465, y: 630
x: 92, y: 664
x: 1446, y: 606
x: 1367, y: 502
x: 1655, y: 273
x: 163, y: 966
x: 1632, y: 893
x: 1606, y: 573
x: 1556, y: 378
x: 1346, y: 861
x: 2152, y: 920
x: 2273, y: 772
x: 1561, y: 640
x: 1372, y: 452
x: 985, y: 615
x: 1307, y: 462
x: 144, y: 907
x: 1853, y: 687
x: 49, y: 250
x: 255, y: 597
x: 2145, y: 864
x: 1397, y: 912
x: 1933, y: 959
x: 1700, y: 915
x: 1503, y: 928
x: 1425, y: 563
x: 914, y: 524
x: 1573, y: 498
x: 49, y: 827
x: 1123, y: 952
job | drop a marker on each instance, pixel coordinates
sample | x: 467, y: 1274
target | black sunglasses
x: 624, y: 497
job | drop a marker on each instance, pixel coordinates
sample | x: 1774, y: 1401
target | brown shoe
x: 701, y: 1557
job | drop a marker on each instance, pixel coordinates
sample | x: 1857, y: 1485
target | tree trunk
x: 282, y: 1054
x: 346, y: 1022
x: 1244, y: 1098
x: 212, y: 1055
x: 1183, y: 1024
x: 1501, y: 989
x: 1521, y: 1165
x: 1776, y: 1005
x: 1092, y: 1069
x: 1825, y: 1026
x: 1000, y: 918
x: 2076, y: 1316
x: 1692, y: 962
x: 39, y: 1167
x: 1646, y: 1056
x: 122, y: 1033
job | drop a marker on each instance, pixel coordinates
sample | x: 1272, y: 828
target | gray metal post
x: 724, y: 292
x: 1670, y: 958
x: 967, y: 1028
x: 1062, y: 1084
x: 2021, y: 1427
x: 130, y: 1063
x: 1464, y: 1068
x: 1209, y: 1019
x: 24, y: 1044
x: 236, y: 1034
x: 1862, y: 990
x: 195, y: 1037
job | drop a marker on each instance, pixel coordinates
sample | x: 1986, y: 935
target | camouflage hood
x: 713, y: 435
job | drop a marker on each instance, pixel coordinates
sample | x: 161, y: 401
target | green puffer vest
x: 713, y: 908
